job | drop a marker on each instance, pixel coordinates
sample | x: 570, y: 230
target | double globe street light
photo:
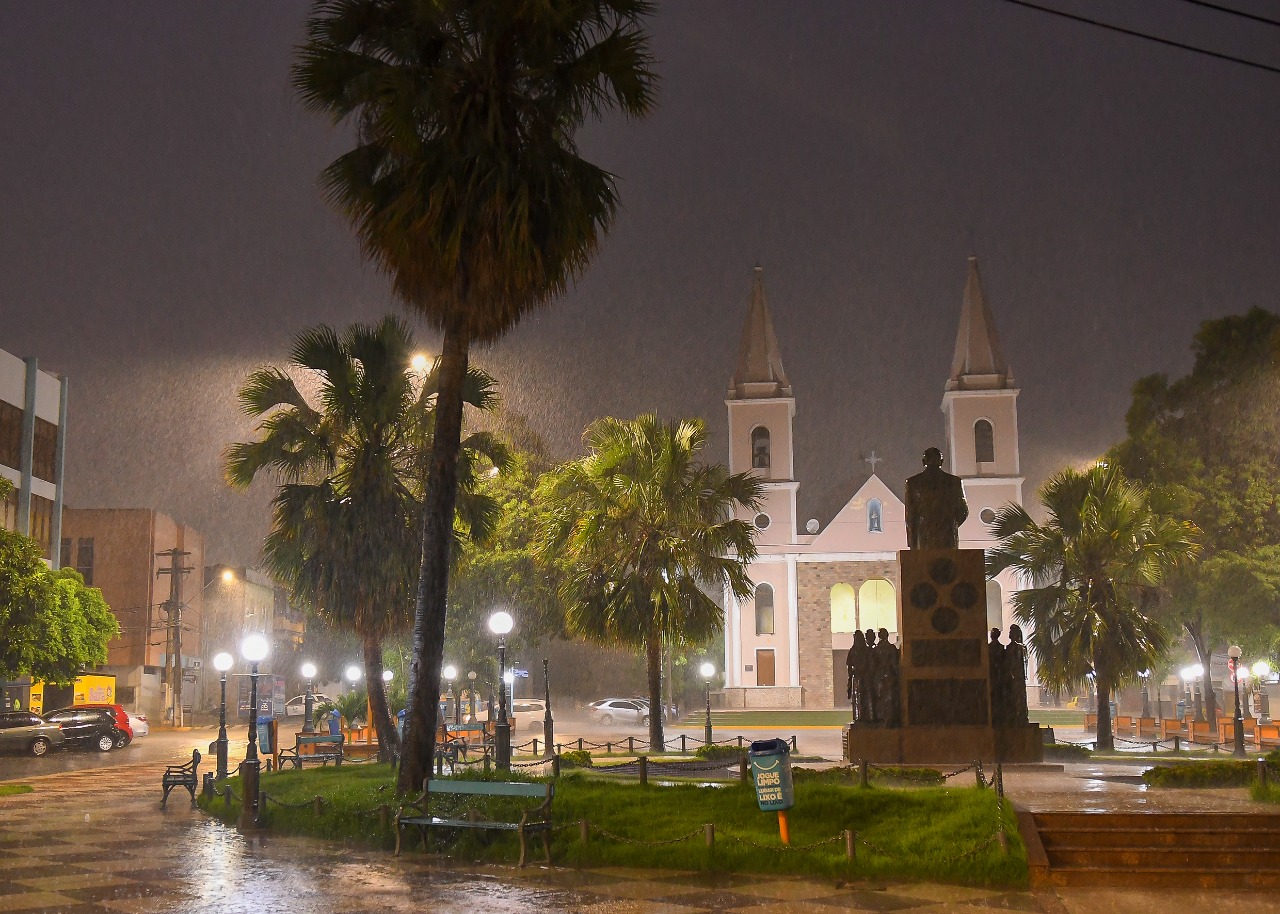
x: 501, y: 623
x: 222, y: 662
x: 309, y: 703
x: 254, y: 648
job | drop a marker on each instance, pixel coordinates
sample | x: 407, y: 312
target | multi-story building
x: 122, y: 551
x: 240, y: 600
x: 33, y: 442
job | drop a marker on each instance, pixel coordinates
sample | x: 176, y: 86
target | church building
x: 815, y: 586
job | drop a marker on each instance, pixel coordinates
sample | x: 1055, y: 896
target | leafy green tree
x: 352, y: 472
x: 53, y: 626
x: 645, y: 531
x: 1211, y: 440
x: 466, y: 186
x: 1091, y: 575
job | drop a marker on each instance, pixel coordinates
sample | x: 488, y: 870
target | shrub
x: 1202, y: 774
x: 1066, y: 752
x: 576, y: 758
x: 716, y: 753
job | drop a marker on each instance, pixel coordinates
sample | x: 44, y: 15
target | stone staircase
x: 1210, y: 850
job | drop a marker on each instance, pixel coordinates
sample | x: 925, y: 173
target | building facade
x: 815, y: 586
x: 120, y: 551
x: 33, y: 444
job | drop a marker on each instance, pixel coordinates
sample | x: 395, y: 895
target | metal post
x: 309, y: 705
x: 706, y: 730
x: 221, y: 741
x: 548, y: 725
x: 1238, y: 751
x: 450, y: 700
x: 249, y: 768
x: 1264, y: 703
x: 502, y: 729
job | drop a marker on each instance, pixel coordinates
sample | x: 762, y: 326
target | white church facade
x: 815, y: 586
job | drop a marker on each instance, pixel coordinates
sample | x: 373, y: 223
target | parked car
x: 22, y: 731
x: 610, y: 711
x: 122, y: 721
x: 138, y: 724
x: 297, y: 706
x: 528, y: 713
x: 95, y: 727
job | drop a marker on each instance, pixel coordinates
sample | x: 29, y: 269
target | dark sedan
x: 95, y: 727
x: 22, y: 731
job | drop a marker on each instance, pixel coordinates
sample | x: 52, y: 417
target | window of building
x: 760, y: 448
x: 875, y: 521
x: 984, y: 442
x: 42, y: 524
x: 44, y: 455
x: 762, y: 521
x: 764, y: 609
x: 84, y: 558
x: 9, y: 508
x: 844, y: 609
x: 878, y: 605
x: 10, y: 435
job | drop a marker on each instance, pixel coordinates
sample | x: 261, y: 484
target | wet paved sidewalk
x: 92, y: 842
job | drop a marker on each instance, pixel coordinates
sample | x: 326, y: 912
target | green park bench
x: 324, y: 749
x: 183, y: 776
x: 533, y: 820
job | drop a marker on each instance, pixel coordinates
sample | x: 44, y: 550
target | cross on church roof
x: 873, y: 460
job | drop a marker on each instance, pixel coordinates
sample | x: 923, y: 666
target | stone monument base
x: 948, y: 745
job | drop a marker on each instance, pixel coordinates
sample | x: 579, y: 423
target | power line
x: 1143, y: 35
x: 1229, y: 11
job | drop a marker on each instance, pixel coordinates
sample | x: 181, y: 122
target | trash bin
x: 770, y: 761
x: 335, y: 723
x: 400, y: 724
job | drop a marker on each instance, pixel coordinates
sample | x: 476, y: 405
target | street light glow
x: 388, y: 675
x: 500, y: 623
x: 450, y: 672
x: 1262, y: 669
x: 707, y: 670
x: 509, y: 677
x: 223, y: 661
x: 254, y: 647
x: 418, y: 362
x: 353, y: 673
x: 309, y: 670
x: 228, y: 576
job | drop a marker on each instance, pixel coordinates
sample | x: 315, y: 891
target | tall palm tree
x: 466, y: 186
x: 1092, y: 572
x: 352, y: 472
x: 645, y: 531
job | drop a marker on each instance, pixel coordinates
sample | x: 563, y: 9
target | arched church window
x: 844, y: 609
x: 760, y: 448
x: 764, y: 609
x: 984, y: 442
x: 878, y: 605
x: 875, y: 511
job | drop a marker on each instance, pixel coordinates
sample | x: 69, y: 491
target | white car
x: 610, y: 711
x: 138, y: 724
x: 528, y: 713
x: 297, y: 706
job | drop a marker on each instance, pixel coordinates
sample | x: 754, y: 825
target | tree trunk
x: 1102, y: 679
x: 433, y: 575
x: 1205, y: 653
x: 653, y: 651
x: 379, y: 711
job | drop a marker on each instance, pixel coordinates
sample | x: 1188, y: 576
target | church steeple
x: 979, y: 362
x: 759, y: 374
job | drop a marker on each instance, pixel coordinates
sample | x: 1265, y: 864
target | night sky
x: 161, y: 231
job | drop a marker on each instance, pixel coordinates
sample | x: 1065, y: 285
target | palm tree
x: 466, y: 186
x: 1093, y: 572
x: 645, y: 531
x: 352, y: 472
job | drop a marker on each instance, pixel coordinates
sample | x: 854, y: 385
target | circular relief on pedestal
x: 964, y: 595
x: 945, y: 620
x: 924, y: 595
x: 943, y: 571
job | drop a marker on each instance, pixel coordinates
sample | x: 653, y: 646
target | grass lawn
x: 927, y: 834
x: 10, y: 790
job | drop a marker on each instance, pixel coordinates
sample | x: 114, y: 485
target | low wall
x: 760, y: 697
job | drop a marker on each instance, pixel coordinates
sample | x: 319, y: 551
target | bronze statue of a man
x: 935, y: 506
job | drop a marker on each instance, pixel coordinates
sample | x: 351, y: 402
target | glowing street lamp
x: 222, y: 662
x: 419, y: 362
x: 501, y: 623
x: 254, y: 648
x: 450, y: 673
x: 309, y: 703
x: 707, y: 670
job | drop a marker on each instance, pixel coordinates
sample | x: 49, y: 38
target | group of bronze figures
x: 873, y: 664
x: 1007, y: 670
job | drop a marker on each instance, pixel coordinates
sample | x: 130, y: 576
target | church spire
x: 979, y: 363
x: 759, y: 374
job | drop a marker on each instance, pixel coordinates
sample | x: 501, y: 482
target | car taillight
x: 142, y: 717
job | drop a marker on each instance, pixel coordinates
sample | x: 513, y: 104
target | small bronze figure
x: 1015, y: 662
x: 885, y: 662
x: 935, y: 506
x: 859, y: 664
x: 996, y: 675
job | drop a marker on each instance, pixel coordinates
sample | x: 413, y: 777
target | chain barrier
x: 608, y: 834
x: 780, y: 848
x: 267, y: 798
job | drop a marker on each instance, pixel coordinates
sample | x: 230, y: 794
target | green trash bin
x: 771, y: 771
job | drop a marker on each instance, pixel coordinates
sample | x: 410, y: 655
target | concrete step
x: 1196, y: 821
x: 1152, y: 877
x: 1262, y: 839
x: 1198, y: 860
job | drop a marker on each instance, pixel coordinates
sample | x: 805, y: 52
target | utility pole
x: 176, y: 571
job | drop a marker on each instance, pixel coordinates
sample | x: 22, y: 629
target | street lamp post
x: 707, y: 670
x: 1233, y: 654
x: 309, y: 703
x: 471, y: 696
x: 548, y: 725
x: 254, y: 648
x: 501, y: 623
x: 222, y: 662
x: 1197, y: 694
x: 1145, y: 676
x: 1262, y: 670
x: 450, y: 674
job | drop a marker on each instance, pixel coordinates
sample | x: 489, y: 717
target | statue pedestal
x: 930, y: 745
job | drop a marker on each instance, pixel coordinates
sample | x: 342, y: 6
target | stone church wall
x: 814, y: 581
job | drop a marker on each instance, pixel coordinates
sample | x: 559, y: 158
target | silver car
x: 22, y: 731
x: 610, y: 711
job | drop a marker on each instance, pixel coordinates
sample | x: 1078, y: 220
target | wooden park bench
x: 1267, y: 736
x: 181, y: 776
x: 1091, y: 721
x: 1124, y: 725
x: 1227, y: 730
x: 323, y: 749
x: 1148, y: 726
x: 1173, y: 726
x: 1203, y: 732
x: 533, y: 820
